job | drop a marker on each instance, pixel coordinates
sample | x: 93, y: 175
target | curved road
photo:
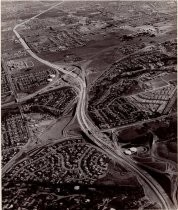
x: 94, y: 133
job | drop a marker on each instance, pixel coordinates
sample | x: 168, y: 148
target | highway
x: 127, y: 162
x: 94, y: 133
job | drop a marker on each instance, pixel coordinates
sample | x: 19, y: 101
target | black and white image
x: 89, y: 105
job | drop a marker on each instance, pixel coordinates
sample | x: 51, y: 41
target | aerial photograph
x: 89, y: 105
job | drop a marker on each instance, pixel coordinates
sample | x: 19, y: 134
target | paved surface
x: 93, y: 132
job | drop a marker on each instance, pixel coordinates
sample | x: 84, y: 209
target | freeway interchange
x: 92, y: 131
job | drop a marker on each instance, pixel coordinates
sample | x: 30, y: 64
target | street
x: 93, y: 132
